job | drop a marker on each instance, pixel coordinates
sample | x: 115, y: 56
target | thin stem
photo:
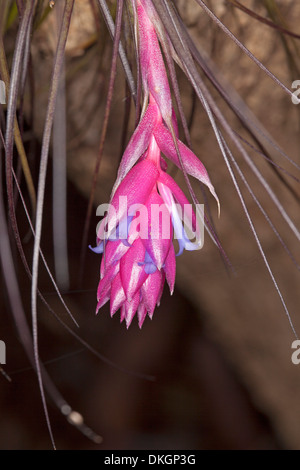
x: 42, y: 182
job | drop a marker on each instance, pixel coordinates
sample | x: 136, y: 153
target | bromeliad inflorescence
x: 147, y: 207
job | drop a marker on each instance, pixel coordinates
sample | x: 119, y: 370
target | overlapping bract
x: 134, y: 266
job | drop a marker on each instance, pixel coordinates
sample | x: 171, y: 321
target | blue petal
x: 181, y: 246
x: 148, y: 258
x: 150, y: 268
x: 98, y: 248
x: 148, y: 264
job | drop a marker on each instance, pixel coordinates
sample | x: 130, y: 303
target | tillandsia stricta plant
x: 135, y: 263
x: 139, y: 252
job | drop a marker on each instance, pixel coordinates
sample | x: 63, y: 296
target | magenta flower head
x: 147, y: 208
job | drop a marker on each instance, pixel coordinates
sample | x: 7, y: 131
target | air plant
x: 130, y: 264
x: 134, y: 269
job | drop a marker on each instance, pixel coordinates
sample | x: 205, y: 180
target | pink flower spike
x: 192, y: 164
x: 147, y: 206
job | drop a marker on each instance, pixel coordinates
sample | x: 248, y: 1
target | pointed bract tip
x: 128, y: 318
x: 141, y: 321
x: 213, y: 192
x: 112, y: 312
